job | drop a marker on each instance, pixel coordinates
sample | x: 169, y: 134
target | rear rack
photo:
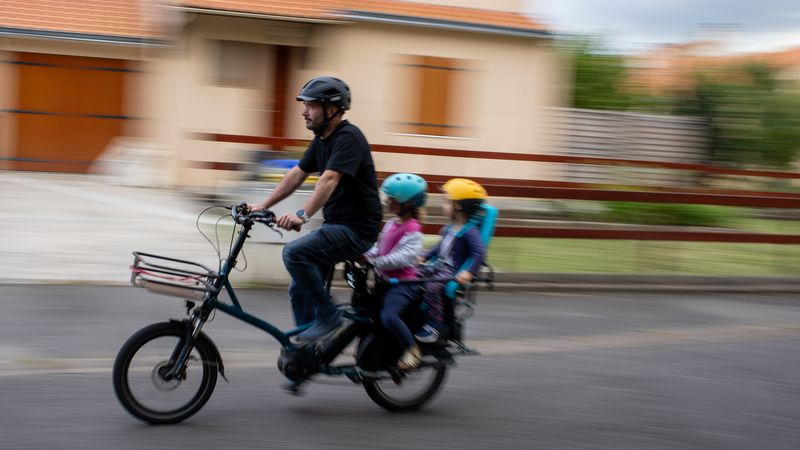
x: 171, y: 276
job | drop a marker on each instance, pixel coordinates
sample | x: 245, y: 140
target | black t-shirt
x: 355, y: 200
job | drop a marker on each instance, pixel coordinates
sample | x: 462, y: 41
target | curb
x: 542, y: 282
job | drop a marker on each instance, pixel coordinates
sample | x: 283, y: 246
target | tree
x: 599, y: 76
x: 752, y: 118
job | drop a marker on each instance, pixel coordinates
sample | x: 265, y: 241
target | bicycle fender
x: 210, y: 344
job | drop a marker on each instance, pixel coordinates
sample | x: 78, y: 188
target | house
x: 672, y: 68
x: 77, y: 78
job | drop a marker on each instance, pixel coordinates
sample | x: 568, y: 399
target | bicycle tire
x: 385, y: 399
x: 122, y: 368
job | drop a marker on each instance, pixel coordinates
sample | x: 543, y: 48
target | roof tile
x: 98, y: 17
x: 448, y: 13
x: 132, y: 18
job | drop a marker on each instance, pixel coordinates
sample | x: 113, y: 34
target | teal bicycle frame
x: 213, y: 287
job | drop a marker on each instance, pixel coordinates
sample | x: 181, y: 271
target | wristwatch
x: 301, y: 213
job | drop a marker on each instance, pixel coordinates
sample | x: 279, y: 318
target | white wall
x: 515, y: 79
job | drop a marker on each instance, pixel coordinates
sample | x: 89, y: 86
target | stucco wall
x: 7, y: 101
x: 514, y: 80
x: 198, y: 103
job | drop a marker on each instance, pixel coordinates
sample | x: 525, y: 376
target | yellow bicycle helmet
x: 463, y: 189
x: 468, y: 194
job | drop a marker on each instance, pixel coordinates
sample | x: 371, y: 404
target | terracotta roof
x: 134, y: 19
x: 673, y: 68
x: 114, y: 18
x: 375, y: 9
x: 448, y: 14
x: 309, y: 9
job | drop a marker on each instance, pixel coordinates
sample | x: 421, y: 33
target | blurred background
x: 581, y: 120
x: 645, y: 147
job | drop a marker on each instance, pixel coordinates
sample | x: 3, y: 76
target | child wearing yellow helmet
x: 459, y: 244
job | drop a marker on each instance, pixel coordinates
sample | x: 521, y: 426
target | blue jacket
x: 470, y: 245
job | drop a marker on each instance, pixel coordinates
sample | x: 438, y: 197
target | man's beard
x: 317, y: 129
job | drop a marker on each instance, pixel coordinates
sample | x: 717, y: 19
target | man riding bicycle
x: 346, y: 192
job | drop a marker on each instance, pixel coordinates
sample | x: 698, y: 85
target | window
x: 239, y: 63
x: 437, y: 95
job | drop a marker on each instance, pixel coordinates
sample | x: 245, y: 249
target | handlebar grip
x: 264, y: 216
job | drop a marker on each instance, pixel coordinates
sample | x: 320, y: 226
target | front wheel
x: 144, y: 360
x: 406, y: 391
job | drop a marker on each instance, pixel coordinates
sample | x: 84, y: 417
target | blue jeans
x: 309, y: 259
x: 395, y: 301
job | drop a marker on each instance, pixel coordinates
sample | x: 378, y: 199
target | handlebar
x: 241, y: 213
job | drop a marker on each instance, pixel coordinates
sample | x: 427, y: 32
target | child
x: 395, y: 255
x: 464, y: 199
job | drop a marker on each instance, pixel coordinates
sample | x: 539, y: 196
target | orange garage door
x: 69, y: 108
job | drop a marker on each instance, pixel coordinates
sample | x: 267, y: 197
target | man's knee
x: 292, y: 253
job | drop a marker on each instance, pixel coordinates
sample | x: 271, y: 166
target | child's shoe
x: 410, y: 359
x: 428, y: 334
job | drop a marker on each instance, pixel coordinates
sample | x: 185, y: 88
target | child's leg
x: 434, y: 297
x: 434, y: 302
x: 395, y: 301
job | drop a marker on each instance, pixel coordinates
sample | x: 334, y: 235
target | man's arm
x: 290, y: 182
x: 322, y: 192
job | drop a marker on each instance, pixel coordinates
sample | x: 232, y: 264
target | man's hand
x: 421, y: 260
x: 289, y: 222
x: 256, y: 206
x: 464, y: 277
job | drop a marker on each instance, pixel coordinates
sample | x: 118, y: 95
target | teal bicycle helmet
x: 406, y: 188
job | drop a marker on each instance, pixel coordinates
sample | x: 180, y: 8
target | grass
x: 644, y: 257
x: 650, y: 257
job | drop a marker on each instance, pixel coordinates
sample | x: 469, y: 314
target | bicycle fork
x: 181, y: 352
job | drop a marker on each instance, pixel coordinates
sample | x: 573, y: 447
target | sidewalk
x: 63, y: 228
x: 77, y: 228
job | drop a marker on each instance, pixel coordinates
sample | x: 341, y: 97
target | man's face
x: 314, y: 115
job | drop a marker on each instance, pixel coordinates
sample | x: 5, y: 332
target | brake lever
x: 239, y: 211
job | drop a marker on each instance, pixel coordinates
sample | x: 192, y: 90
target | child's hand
x: 464, y: 277
x: 421, y: 260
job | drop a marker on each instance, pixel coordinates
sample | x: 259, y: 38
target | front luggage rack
x: 173, y: 277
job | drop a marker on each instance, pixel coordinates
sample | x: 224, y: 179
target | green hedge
x: 669, y: 214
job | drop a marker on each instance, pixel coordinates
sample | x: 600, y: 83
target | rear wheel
x: 141, y: 367
x: 406, y: 391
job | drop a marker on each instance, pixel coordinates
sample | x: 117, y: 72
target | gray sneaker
x: 318, y: 331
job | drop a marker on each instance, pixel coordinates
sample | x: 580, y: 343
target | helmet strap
x: 327, y: 121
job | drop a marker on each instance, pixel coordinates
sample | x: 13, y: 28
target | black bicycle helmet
x: 326, y: 90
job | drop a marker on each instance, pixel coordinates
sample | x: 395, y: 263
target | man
x: 346, y: 191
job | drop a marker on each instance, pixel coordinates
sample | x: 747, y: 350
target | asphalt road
x: 573, y: 371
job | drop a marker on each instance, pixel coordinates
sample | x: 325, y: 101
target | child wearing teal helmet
x: 395, y: 255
